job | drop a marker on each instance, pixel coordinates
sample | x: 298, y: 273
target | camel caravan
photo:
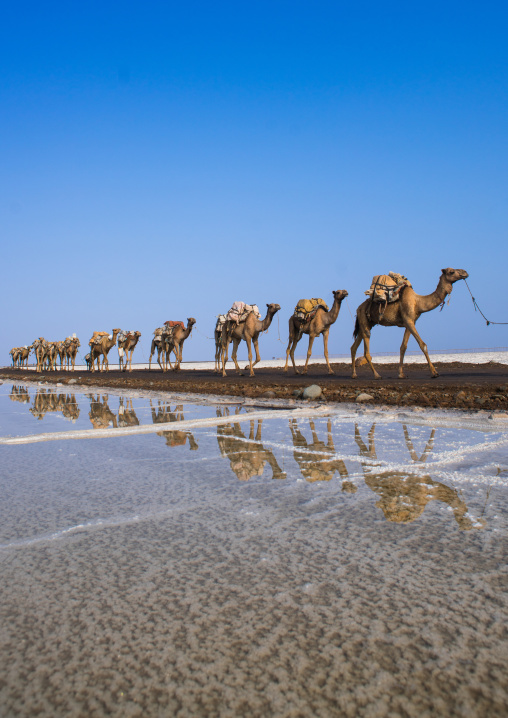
x: 391, y: 301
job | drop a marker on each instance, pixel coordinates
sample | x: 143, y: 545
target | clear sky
x: 160, y: 160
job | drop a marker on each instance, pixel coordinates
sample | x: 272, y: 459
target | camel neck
x: 267, y: 320
x: 431, y: 301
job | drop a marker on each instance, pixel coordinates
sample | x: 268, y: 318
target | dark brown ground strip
x: 473, y: 386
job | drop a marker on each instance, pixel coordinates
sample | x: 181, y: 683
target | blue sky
x: 162, y: 160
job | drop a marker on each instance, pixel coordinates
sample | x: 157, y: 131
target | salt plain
x: 336, y: 562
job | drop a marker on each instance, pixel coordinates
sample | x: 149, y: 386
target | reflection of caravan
x: 164, y: 415
x: 403, y: 495
x: 20, y: 393
x: 247, y: 456
x: 126, y: 414
x: 315, y: 458
x: 47, y: 401
x: 100, y: 414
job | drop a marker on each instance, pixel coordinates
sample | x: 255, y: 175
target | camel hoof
x: 378, y: 376
x: 435, y: 376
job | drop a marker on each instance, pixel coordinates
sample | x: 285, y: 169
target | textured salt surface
x: 345, y: 565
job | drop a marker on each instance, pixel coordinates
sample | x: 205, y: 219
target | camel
x: 71, y: 351
x: 247, y: 455
x: 319, y: 324
x: 24, y: 353
x: 40, y: 346
x: 162, y: 342
x: 176, y: 340
x: 126, y: 345
x: 402, y: 313
x: 249, y: 330
x: 60, y: 349
x: 103, y: 348
x: 14, y: 352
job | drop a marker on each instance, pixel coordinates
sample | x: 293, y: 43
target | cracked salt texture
x: 351, y: 564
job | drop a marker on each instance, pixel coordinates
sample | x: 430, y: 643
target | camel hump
x: 170, y: 324
x: 306, y: 309
x: 240, y: 311
x: 387, y: 287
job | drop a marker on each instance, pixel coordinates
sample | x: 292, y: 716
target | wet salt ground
x: 143, y: 578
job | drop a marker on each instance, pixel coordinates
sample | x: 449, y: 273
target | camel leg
x: 292, y: 354
x: 178, y: 356
x: 225, y: 348
x: 325, y: 344
x: 309, y: 353
x: 411, y: 327
x: 291, y: 346
x: 236, y: 344
x: 256, y: 348
x: 159, y: 352
x: 366, y: 344
x: 403, y: 348
x: 249, y: 347
x: 364, y: 334
x: 354, y: 347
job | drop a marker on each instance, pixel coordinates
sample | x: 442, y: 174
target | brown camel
x: 402, y: 313
x: 71, y: 350
x: 14, y: 352
x: 125, y: 345
x: 103, y: 347
x: 157, y: 345
x: 176, y: 340
x: 319, y: 324
x: 249, y: 330
x: 40, y: 346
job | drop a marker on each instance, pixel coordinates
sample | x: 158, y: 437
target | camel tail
x: 357, y: 328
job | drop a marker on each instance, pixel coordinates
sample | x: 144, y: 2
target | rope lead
x: 477, y: 308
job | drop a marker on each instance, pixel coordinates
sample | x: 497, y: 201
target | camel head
x: 273, y: 308
x: 453, y: 275
x: 190, y: 321
x: 340, y: 294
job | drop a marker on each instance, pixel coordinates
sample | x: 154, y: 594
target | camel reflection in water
x: 126, y: 414
x: 47, y: 401
x: 162, y: 414
x: 403, y: 496
x: 20, y: 393
x: 100, y: 414
x: 247, y: 455
x: 317, y: 460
